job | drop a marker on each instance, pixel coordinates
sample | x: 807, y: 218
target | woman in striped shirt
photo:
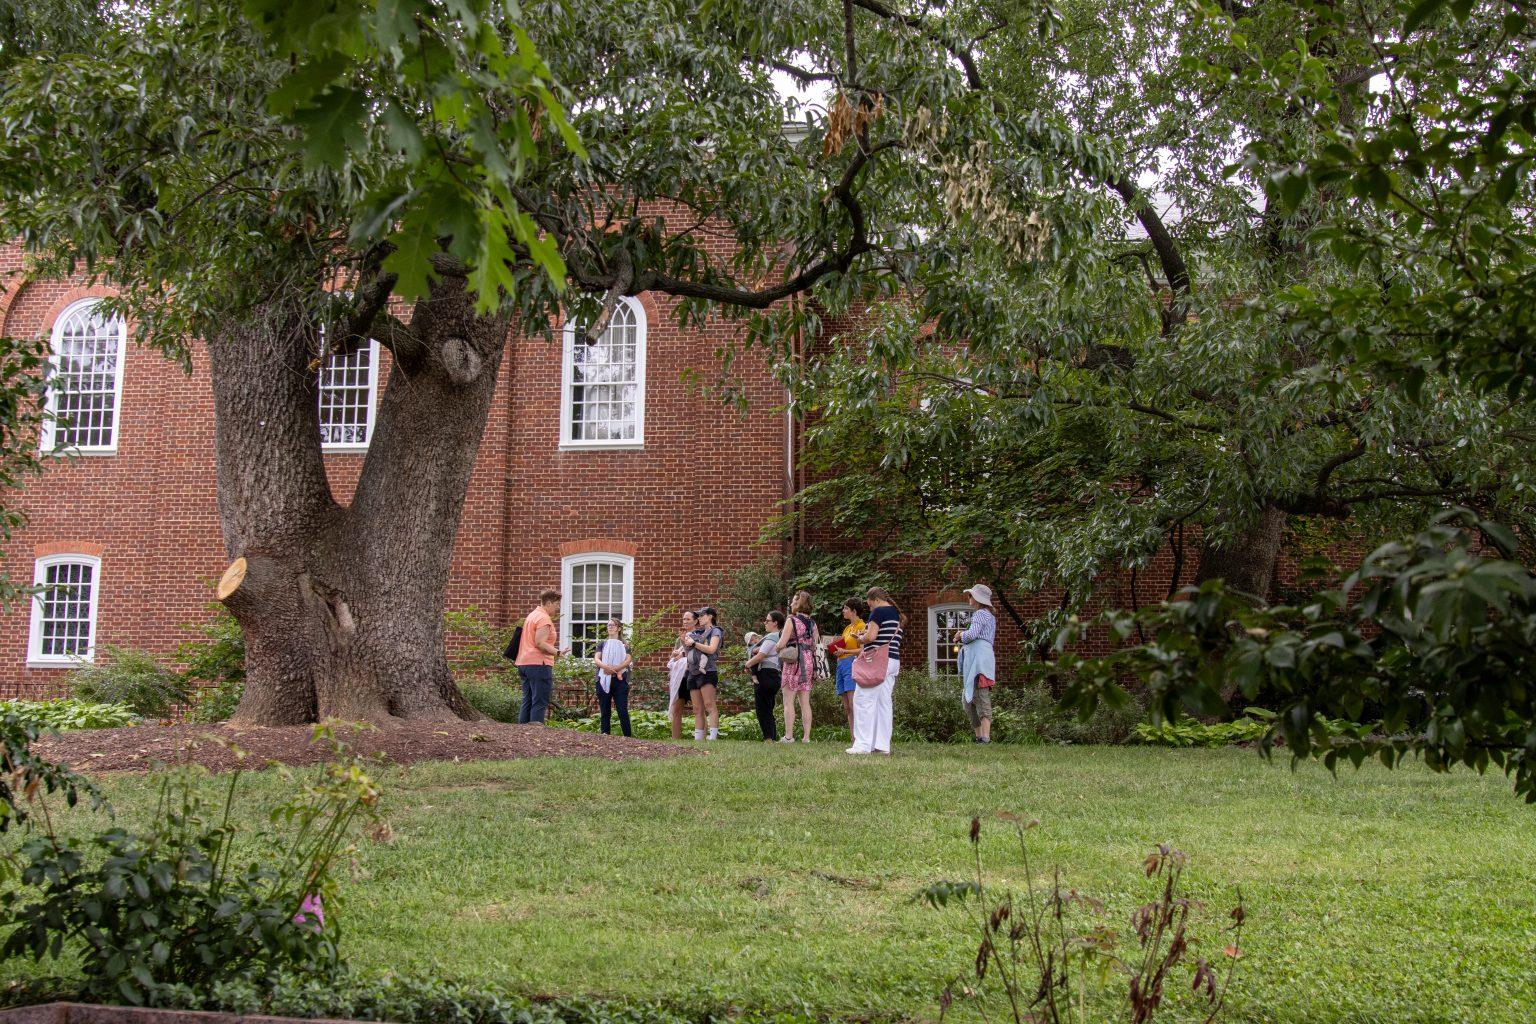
x: 872, y: 708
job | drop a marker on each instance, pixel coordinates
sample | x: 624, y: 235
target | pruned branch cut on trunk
x: 232, y: 578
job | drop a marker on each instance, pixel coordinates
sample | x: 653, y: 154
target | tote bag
x: 870, y: 665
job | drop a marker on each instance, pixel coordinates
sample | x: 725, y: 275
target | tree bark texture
x: 1246, y: 561
x: 342, y: 607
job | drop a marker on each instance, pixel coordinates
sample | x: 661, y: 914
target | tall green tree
x: 1155, y: 383
x: 1428, y: 646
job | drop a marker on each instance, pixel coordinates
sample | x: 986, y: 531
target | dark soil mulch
x: 140, y: 747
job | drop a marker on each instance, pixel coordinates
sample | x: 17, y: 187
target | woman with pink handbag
x: 875, y: 671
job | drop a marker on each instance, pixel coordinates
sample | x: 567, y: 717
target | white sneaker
x: 855, y: 750
x: 786, y: 739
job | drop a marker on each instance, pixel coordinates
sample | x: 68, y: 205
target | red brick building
x: 602, y: 472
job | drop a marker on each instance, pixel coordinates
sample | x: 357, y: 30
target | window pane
x: 597, y: 594
x: 949, y: 623
x: 64, y: 610
x: 346, y: 398
x: 605, y: 381
x: 83, y: 388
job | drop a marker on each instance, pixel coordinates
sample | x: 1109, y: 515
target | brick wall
x: 686, y: 505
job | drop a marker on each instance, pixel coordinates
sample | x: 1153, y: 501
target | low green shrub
x: 125, y: 675
x: 1251, y: 729
x: 1187, y: 733
x: 436, y: 1000
x: 657, y: 725
x: 497, y: 701
x: 190, y: 900
x: 1041, y: 713
x: 215, y: 664
x: 68, y: 713
x: 216, y: 703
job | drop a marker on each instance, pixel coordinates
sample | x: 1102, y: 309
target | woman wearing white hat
x: 978, y: 661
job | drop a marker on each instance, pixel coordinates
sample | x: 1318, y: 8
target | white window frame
x: 373, y: 405
x: 35, y: 656
x: 47, y: 436
x: 567, y: 347
x: 567, y: 588
x: 933, y: 631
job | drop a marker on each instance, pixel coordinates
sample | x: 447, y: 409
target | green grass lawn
x: 1377, y: 896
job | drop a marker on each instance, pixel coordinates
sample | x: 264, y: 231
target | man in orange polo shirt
x: 536, y: 658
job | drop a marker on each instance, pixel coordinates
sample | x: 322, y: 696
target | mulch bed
x: 141, y: 747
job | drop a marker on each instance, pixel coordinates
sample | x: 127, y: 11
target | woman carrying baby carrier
x: 798, y: 641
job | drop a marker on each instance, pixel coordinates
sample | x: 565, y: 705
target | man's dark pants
x: 538, y: 683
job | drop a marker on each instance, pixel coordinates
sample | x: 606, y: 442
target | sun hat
x: 752, y: 638
x: 982, y: 593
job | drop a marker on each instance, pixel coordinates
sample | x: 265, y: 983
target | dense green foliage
x: 215, y: 664
x: 1081, y: 416
x: 22, y: 364
x: 131, y: 677
x: 1428, y: 644
x: 27, y: 780
x: 68, y: 713
x: 175, y: 903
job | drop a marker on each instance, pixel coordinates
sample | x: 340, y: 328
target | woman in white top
x: 613, y: 663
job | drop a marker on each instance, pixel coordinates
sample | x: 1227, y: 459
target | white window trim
x: 568, y: 340
x: 933, y: 631
x: 590, y: 558
x: 373, y: 406
x: 35, y: 656
x: 46, y: 435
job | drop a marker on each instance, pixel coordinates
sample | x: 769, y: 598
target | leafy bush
x: 495, y: 700
x: 657, y: 725
x: 1042, y: 715
x: 1048, y: 955
x: 174, y: 904
x: 216, y: 703
x: 1253, y: 729
x: 436, y: 1000
x: 67, y: 713
x: 216, y: 664
x: 1186, y: 733
x: 123, y: 675
x: 26, y: 780
x: 479, y: 654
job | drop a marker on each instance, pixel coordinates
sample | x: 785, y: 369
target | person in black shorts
x: 704, y: 679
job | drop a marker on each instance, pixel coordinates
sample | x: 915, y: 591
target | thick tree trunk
x: 1247, y: 561
x: 342, y: 607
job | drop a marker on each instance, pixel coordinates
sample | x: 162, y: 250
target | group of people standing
x: 783, y: 662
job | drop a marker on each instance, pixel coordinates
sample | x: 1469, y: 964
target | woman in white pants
x: 872, y: 709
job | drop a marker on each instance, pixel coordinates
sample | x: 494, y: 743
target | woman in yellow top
x: 855, y: 611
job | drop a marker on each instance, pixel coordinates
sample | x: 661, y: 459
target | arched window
x: 602, y: 396
x: 348, y: 391
x: 945, y: 624
x: 596, y: 587
x: 64, y: 610
x: 86, y: 386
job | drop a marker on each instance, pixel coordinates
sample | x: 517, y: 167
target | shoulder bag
x: 870, y: 665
